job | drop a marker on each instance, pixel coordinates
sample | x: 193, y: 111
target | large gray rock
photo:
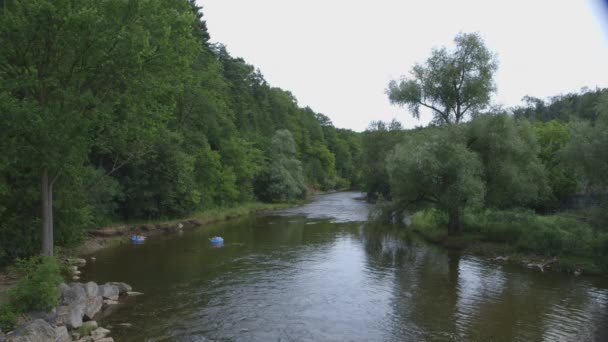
x: 91, y: 289
x: 109, y: 292
x: 94, y: 304
x: 35, y: 331
x: 75, y: 294
x: 62, y: 335
x: 74, y: 316
x: 99, y: 333
x: 122, y: 287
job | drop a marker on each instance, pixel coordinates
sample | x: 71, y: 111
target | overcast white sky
x: 337, y: 56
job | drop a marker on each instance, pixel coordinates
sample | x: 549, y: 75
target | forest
x: 119, y: 111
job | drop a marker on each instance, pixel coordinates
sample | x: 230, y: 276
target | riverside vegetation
x: 121, y: 111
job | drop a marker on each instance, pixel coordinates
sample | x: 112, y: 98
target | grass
x: 523, y: 235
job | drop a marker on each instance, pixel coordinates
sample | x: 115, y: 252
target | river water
x: 318, y: 273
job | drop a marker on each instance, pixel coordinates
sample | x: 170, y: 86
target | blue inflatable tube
x: 216, y: 239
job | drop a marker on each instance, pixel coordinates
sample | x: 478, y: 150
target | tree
x: 450, y: 84
x: 85, y: 75
x: 378, y: 140
x: 283, y: 180
x: 508, y: 150
x: 438, y: 171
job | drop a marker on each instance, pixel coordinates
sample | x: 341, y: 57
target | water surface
x: 317, y: 273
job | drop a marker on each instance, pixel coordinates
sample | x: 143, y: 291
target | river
x: 319, y: 273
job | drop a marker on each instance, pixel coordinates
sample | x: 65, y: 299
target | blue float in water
x: 216, y: 240
x: 136, y: 238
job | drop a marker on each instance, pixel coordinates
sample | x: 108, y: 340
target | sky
x: 338, y: 56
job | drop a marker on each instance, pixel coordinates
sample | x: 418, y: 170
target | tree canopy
x: 452, y: 84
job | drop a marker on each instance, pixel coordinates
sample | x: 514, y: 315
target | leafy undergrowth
x: 522, y: 235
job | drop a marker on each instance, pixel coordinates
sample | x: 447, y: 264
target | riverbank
x: 560, y: 242
x: 112, y: 235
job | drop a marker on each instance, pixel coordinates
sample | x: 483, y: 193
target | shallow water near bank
x: 318, y: 273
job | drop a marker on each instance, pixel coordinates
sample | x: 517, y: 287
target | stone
x: 106, y: 339
x: 126, y: 325
x: 62, y: 335
x: 80, y: 262
x: 122, y: 287
x: 72, y: 268
x: 77, y: 272
x: 110, y: 302
x: 91, y: 289
x: 99, y: 333
x: 49, y: 316
x: 109, y: 291
x: 93, y: 306
x: 62, y: 313
x: 74, y: 294
x: 86, y: 339
x: 74, y: 317
x: 134, y: 293
x: 75, y: 278
x: 93, y: 258
x: 35, y: 331
x: 75, y: 335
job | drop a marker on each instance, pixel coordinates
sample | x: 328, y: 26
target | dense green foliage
x: 450, y: 84
x: 37, y: 289
x: 125, y: 111
x: 439, y: 171
x: 532, y: 177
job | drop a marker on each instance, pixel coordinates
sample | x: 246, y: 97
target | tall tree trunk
x: 47, y: 234
x: 454, y: 222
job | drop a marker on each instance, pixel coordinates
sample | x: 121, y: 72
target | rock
x: 80, y: 262
x: 35, y: 331
x: 122, y: 287
x: 110, y: 302
x: 91, y: 289
x: 62, y: 314
x: 74, y: 317
x: 109, y: 291
x: 93, y: 258
x: 90, y: 325
x: 180, y: 226
x: 86, y: 339
x: 106, y: 339
x: 74, y: 294
x: 134, y: 293
x: 49, y: 316
x: 72, y: 268
x: 75, y: 278
x: 126, y: 325
x: 99, y: 333
x: 76, y: 272
x: 93, y: 305
x: 75, y: 335
x: 61, y: 334
x: 578, y: 272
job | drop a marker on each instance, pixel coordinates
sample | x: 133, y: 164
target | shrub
x: 7, y: 318
x: 37, y: 288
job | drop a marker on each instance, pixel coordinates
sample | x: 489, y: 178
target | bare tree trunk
x: 454, y: 222
x: 47, y: 232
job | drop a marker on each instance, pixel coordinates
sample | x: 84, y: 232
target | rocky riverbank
x: 73, y: 318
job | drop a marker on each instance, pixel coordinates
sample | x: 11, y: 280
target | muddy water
x: 317, y: 273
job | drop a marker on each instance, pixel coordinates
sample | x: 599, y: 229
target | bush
x: 7, y: 318
x: 37, y: 288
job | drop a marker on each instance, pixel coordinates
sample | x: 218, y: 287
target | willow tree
x: 82, y: 75
x: 452, y: 84
x: 439, y: 172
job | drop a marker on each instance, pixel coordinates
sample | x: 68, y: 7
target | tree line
x: 124, y: 110
x: 475, y: 163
